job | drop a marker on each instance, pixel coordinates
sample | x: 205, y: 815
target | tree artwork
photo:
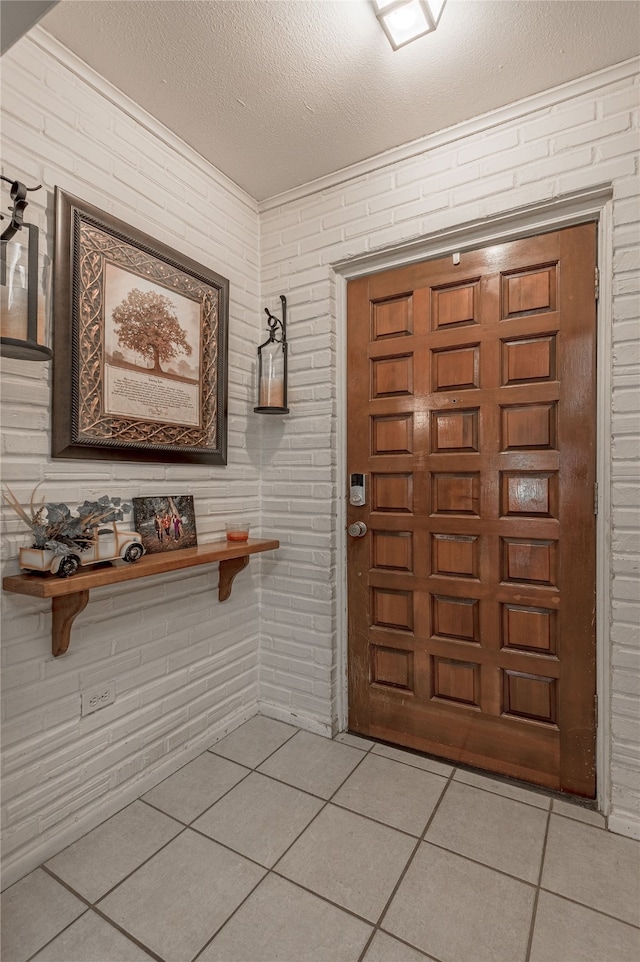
x: 147, y: 323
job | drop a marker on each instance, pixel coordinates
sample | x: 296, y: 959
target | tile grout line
x: 403, y: 873
x: 140, y: 798
x: 540, y: 791
x: 326, y: 802
x: 280, y: 781
x: 92, y: 908
x: 188, y: 826
x: 377, y: 821
x: 475, y: 861
x: 54, y: 937
x: 210, y: 751
x: 429, y: 957
x: 590, y: 908
x: 132, y: 938
x: 398, y: 938
x: 212, y: 748
x: 323, y: 898
x: 401, y: 761
x: 162, y: 811
x: 184, y: 827
x: 263, y: 867
x: 536, y: 896
x: 43, y: 865
x: 510, y: 798
x: 228, y: 919
x: 542, y: 794
x: 271, y: 870
x: 377, y: 926
x: 582, y: 821
x: 65, y: 885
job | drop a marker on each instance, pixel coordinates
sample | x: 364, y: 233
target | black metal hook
x: 17, y: 185
x: 18, y: 195
x: 275, y: 323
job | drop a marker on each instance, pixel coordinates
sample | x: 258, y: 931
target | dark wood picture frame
x: 122, y: 300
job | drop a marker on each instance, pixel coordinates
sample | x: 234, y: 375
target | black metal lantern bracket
x: 277, y: 335
x: 28, y: 350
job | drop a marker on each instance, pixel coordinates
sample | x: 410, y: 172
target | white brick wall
x: 185, y: 667
x: 581, y: 136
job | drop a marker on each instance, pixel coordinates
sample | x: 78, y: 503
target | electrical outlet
x: 98, y: 697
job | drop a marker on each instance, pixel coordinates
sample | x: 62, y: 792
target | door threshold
x: 590, y: 804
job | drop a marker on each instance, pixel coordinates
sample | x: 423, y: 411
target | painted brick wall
x: 185, y: 667
x: 580, y: 136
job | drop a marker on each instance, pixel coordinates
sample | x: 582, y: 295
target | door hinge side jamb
x: 597, y: 283
x: 595, y: 497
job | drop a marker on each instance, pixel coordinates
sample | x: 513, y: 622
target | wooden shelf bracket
x: 228, y: 570
x: 64, y: 610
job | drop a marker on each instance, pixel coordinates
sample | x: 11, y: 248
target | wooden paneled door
x: 471, y: 411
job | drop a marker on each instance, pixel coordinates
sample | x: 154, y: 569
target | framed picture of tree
x: 140, y: 345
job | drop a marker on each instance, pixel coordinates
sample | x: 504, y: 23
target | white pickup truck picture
x: 108, y: 544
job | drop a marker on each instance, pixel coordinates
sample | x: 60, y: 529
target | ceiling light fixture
x: 406, y: 20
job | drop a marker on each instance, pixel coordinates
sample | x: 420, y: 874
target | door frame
x: 595, y: 204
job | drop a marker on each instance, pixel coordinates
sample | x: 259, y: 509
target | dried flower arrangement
x: 55, y: 528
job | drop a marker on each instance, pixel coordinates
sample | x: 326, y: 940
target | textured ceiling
x: 276, y: 93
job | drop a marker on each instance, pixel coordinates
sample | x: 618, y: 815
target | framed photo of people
x: 140, y: 345
x: 165, y: 523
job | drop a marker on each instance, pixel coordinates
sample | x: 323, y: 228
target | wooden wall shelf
x: 69, y: 596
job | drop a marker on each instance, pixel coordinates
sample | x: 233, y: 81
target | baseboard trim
x: 305, y: 722
x: 627, y: 825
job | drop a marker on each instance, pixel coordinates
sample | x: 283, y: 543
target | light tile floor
x: 280, y: 846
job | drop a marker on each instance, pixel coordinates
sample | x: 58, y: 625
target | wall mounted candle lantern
x: 24, y: 284
x: 272, y: 366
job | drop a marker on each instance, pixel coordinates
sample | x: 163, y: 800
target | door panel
x: 471, y: 407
